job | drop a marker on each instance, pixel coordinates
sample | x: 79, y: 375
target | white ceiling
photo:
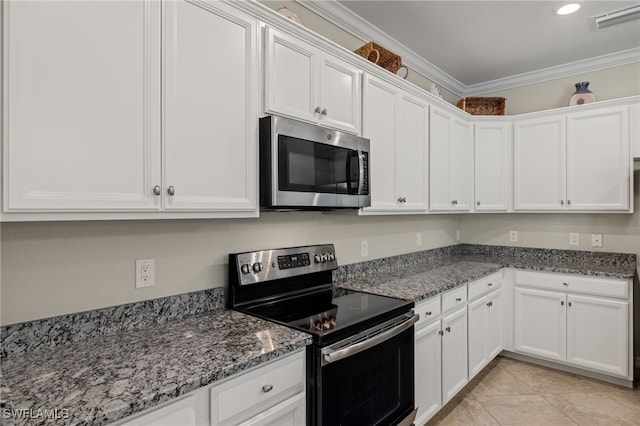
x: 479, y: 46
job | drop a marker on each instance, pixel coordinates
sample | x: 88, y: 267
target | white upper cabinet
x: 573, y: 162
x: 210, y: 115
x: 304, y: 82
x: 539, y: 177
x: 397, y: 125
x: 121, y: 107
x: 492, y: 166
x: 450, y: 162
x: 598, y: 160
x: 81, y: 106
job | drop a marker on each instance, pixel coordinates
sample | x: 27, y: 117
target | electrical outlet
x: 145, y: 273
x: 596, y: 240
x: 574, y: 239
x: 513, y: 236
x: 365, y: 248
x: 457, y: 235
x: 419, y: 239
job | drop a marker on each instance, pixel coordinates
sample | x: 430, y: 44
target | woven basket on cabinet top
x: 483, y: 106
x: 382, y: 57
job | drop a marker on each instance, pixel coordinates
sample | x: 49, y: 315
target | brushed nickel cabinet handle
x: 171, y: 191
x: 267, y: 388
x: 156, y: 190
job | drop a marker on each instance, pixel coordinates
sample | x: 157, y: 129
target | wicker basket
x: 382, y: 57
x: 483, y: 106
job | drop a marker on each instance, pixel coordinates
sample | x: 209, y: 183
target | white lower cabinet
x: 270, y: 395
x: 485, y: 331
x: 440, y: 352
x: 181, y: 413
x: 454, y: 353
x: 579, y: 321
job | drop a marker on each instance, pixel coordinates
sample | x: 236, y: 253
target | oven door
x: 368, y: 379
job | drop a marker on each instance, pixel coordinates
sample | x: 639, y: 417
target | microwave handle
x: 363, y: 166
x: 348, y: 175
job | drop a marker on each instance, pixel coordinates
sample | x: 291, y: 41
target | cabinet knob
x: 489, y: 284
x: 458, y: 299
x: 448, y: 329
x: 324, y: 111
x: 318, y: 110
x: 171, y: 191
x: 562, y: 303
x: 568, y: 203
x: 267, y: 388
x: 478, y: 203
x: 156, y: 190
x: 569, y: 303
x: 565, y: 284
x: 562, y: 202
x: 440, y: 332
x: 427, y: 313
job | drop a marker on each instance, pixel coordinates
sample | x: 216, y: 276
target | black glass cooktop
x: 331, y: 315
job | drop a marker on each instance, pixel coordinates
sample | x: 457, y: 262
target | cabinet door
x: 340, y: 99
x: 598, y: 160
x: 540, y: 323
x: 461, y: 164
x: 81, y: 105
x: 493, y: 303
x: 454, y: 354
x: 539, y: 164
x: 597, y: 334
x: 478, y: 327
x: 210, y: 119
x: 379, y: 126
x: 411, y: 157
x: 291, y: 76
x: 182, y: 413
x: 492, y: 167
x: 288, y: 413
x: 440, y: 185
x: 428, y: 373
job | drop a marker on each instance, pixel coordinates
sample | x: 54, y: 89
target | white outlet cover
x: 145, y: 273
x: 574, y: 239
x: 365, y: 248
x: 513, y: 236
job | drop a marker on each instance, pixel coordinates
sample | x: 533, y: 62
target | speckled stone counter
x: 108, y: 377
x: 420, y: 275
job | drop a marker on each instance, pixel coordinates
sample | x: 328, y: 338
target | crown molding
x: 597, y: 63
x: 348, y: 21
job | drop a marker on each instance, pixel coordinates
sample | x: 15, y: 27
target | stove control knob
x: 257, y: 267
x: 332, y: 257
x: 324, y: 257
x: 245, y: 268
x: 317, y: 258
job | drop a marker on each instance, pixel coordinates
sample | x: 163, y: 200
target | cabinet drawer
x: 602, y: 286
x: 428, y: 310
x: 485, y: 285
x: 454, y: 298
x: 240, y: 398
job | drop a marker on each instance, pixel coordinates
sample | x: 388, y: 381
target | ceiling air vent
x: 615, y: 17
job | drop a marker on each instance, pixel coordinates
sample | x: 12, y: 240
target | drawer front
x: 485, y: 285
x: 428, y: 310
x: 454, y: 298
x: 242, y: 397
x: 601, y: 286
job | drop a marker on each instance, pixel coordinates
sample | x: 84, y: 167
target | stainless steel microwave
x: 308, y: 167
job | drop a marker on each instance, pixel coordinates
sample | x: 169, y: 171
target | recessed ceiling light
x: 568, y: 9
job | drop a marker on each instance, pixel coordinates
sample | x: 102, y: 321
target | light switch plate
x: 596, y: 240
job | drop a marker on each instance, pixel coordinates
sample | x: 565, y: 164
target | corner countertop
x: 422, y: 280
x: 106, y: 378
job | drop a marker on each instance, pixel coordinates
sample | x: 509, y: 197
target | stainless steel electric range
x: 360, y: 367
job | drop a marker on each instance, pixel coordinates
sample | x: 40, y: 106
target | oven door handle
x: 332, y: 356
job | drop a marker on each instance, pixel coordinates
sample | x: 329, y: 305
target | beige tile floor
x: 510, y: 392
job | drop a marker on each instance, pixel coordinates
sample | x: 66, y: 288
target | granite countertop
x: 420, y: 280
x: 106, y: 378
